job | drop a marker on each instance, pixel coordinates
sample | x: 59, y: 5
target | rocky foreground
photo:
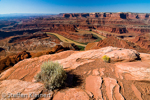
x: 126, y: 77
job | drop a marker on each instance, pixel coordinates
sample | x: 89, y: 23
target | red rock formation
x: 93, y: 78
x: 74, y: 93
x: 114, y: 24
x: 111, y: 22
x: 138, y: 16
x: 138, y: 30
x: 115, y: 42
x: 119, y: 15
x: 11, y: 60
x: 24, y: 37
x: 142, y: 42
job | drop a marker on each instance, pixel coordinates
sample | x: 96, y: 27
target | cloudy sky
x: 72, y: 6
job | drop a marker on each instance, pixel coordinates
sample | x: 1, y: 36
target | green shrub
x: 106, y: 58
x: 52, y: 75
x: 81, y: 48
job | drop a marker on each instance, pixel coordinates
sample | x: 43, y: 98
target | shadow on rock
x: 72, y: 81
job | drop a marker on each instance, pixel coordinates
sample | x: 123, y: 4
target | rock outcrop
x: 133, y: 70
x: 127, y: 78
x: 10, y: 61
x: 31, y: 66
x: 115, y: 54
x: 20, y: 90
x: 143, y: 42
x: 117, y: 42
x: 74, y: 93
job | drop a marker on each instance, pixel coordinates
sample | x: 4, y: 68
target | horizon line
x: 70, y: 13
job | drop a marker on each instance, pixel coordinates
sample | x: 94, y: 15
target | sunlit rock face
x: 126, y: 77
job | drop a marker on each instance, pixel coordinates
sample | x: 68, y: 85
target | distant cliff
x: 119, y: 15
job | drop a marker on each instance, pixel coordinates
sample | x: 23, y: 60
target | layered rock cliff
x: 119, y: 15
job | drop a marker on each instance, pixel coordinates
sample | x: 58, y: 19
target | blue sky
x: 72, y: 6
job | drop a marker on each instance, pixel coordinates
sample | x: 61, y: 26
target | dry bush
x: 52, y: 75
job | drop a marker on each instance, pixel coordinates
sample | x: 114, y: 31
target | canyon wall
x: 119, y: 15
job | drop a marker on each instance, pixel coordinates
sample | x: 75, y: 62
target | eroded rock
x: 112, y: 89
x: 133, y: 70
x: 93, y: 84
x: 28, y: 68
x: 115, y: 54
x: 71, y: 94
x: 19, y: 90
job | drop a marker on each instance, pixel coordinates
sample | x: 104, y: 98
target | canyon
x: 128, y: 26
x: 78, y: 41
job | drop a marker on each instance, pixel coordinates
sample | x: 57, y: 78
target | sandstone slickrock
x: 72, y: 94
x: 93, y: 84
x: 8, y: 87
x: 115, y: 54
x: 123, y: 55
x: 98, y: 80
x: 145, y: 57
x: 96, y: 72
x: 9, y: 61
x: 26, y: 68
x: 136, y: 92
x: 133, y: 70
x: 112, y: 89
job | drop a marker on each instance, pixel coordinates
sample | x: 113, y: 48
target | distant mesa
x: 119, y: 15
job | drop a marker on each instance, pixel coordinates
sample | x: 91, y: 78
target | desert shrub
x: 106, y: 58
x: 81, y: 48
x: 52, y: 75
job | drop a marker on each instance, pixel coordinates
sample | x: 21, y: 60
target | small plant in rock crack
x: 52, y: 75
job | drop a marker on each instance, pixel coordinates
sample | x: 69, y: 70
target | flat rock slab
x: 71, y: 94
x: 19, y: 90
x: 112, y: 89
x: 114, y: 53
x: 28, y: 68
x: 133, y: 70
x: 93, y: 84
